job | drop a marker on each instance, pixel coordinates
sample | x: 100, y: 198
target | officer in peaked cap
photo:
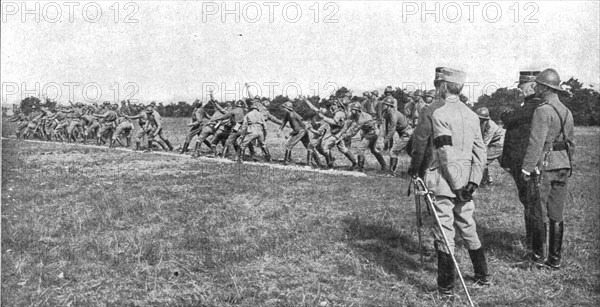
x: 449, y: 153
x: 518, y: 127
x: 547, y: 167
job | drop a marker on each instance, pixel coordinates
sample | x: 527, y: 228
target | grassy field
x: 84, y: 226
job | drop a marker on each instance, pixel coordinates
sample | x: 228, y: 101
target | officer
x: 369, y: 133
x: 298, y: 134
x: 547, y: 167
x: 493, y: 138
x: 448, y: 152
x: 518, y: 127
x: 395, y: 122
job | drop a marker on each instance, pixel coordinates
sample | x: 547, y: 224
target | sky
x: 180, y: 50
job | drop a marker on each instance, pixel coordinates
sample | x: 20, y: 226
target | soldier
x: 395, y: 122
x: 518, y: 126
x: 369, y: 135
x: 21, y: 120
x: 34, y: 120
x: 154, y: 129
x: 75, y: 124
x: 298, y: 134
x: 226, y: 123
x: 107, y: 122
x: 200, y: 118
x: 414, y: 108
x: 335, y: 125
x: 379, y: 104
x: 253, y: 128
x: 493, y: 138
x: 142, y: 118
x: 448, y: 152
x: 124, y: 127
x: 237, y: 119
x: 547, y: 167
x: 368, y: 105
x: 209, y: 129
x: 91, y: 126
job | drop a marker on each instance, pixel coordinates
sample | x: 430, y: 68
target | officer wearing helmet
x: 493, y: 138
x: 368, y: 128
x: 547, y: 168
x: 449, y: 154
x: 518, y: 127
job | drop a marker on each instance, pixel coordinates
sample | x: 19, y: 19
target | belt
x: 559, y: 146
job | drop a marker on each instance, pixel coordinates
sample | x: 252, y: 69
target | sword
x: 421, y: 190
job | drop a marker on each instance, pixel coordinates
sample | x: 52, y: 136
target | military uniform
x: 549, y: 152
x: 450, y: 131
x: 200, y: 118
x: 253, y: 127
x: 154, y: 128
x: 493, y: 138
x: 395, y: 122
x: 369, y: 134
x: 298, y: 134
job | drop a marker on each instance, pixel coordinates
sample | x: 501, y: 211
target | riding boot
x: 481, y: 276
x: 528, y: 230
x: 446, y: 274
x: 266, y: 153
x: 317, y: 160
x: 393, y: 164
x: 381, y: 160
x: 555, y: 244
x: 350, y: 157
x: 169, y: 145
x: 361, y: 163
x: 538, y: 242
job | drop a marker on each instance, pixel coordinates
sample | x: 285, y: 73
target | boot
x: 224, y: 151
x: 446, y: 274
x: 137, y: 145
x: 350, y: 157
x: 538, y: 242
x: 266, y: 154
x: 481, y: 276
x: 128, y: 140
x: 555, y: 244
x: 240, y: 154
x: 169, y: 145
x: 184, y: 149
x: 381, y: 161
x: 485, y: 178
x: 328, y: 159
x: 361, y: 163
x: 112, y: 144
x: 149, y: 149
x: 308, y: 157
x: 317, y: 160
x: 528, y: 230
x: 287, y: 157
x: 393, y: 165
x: 213, y: 149
x: 252, y: 152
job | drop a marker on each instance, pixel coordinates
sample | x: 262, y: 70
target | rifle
x: 422, y: 190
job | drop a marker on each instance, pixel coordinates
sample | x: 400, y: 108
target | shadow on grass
x: 502, y: 244
x: 394, y: 251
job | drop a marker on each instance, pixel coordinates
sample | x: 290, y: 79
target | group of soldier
x: 450, y: 146
x: 105, y: 123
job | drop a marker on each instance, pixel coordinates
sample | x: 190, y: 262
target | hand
x: 462, y: 195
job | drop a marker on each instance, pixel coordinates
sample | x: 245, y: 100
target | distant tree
x: 27, y: 104
x: 573, y: 84
x: 341, y: 92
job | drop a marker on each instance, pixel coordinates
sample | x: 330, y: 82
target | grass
x: 83, y: 226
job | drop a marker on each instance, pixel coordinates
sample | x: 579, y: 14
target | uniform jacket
x: 414, y: 109
x: 518, y: 127
x: 363, y: 122
x: 254, y: 122
x: 395, y: 122
x: 266, y: 114
x: 546, y: 132
x: 493, y: 135
x: 295, y: 121
x: 448, y: 147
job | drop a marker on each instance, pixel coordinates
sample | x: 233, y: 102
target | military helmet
x: 254, y: 106
x: 115, y: 106
x: 388, y: 101
x: 483, y: 113
x: 388, y: 89
x: 239, y: 103
x: 418, y: 93
x: 375, y: 93
x: 287, y: 105
x: 410, y: 95
x: 549, y: 78
x: 106, y: 103
x: 430, y: 93
x: 333, y: 98
x: 366, y: 93
x: 355, y: 106
x: 149, y: 109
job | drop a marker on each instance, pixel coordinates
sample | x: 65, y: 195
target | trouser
x: 75, y: 124
x: 455, y: 215
x: 105, y: 128
x: 194, y: 131
x: 221, y: 136
x: 92, y: 129
x: 370, y: 142
x: 124, y: 128
x: 207, y: 131
x: 552, y: 197
x: 397, y: 147
x: 329, y: 142
x: 301, y: 136
x: 254, y: 132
